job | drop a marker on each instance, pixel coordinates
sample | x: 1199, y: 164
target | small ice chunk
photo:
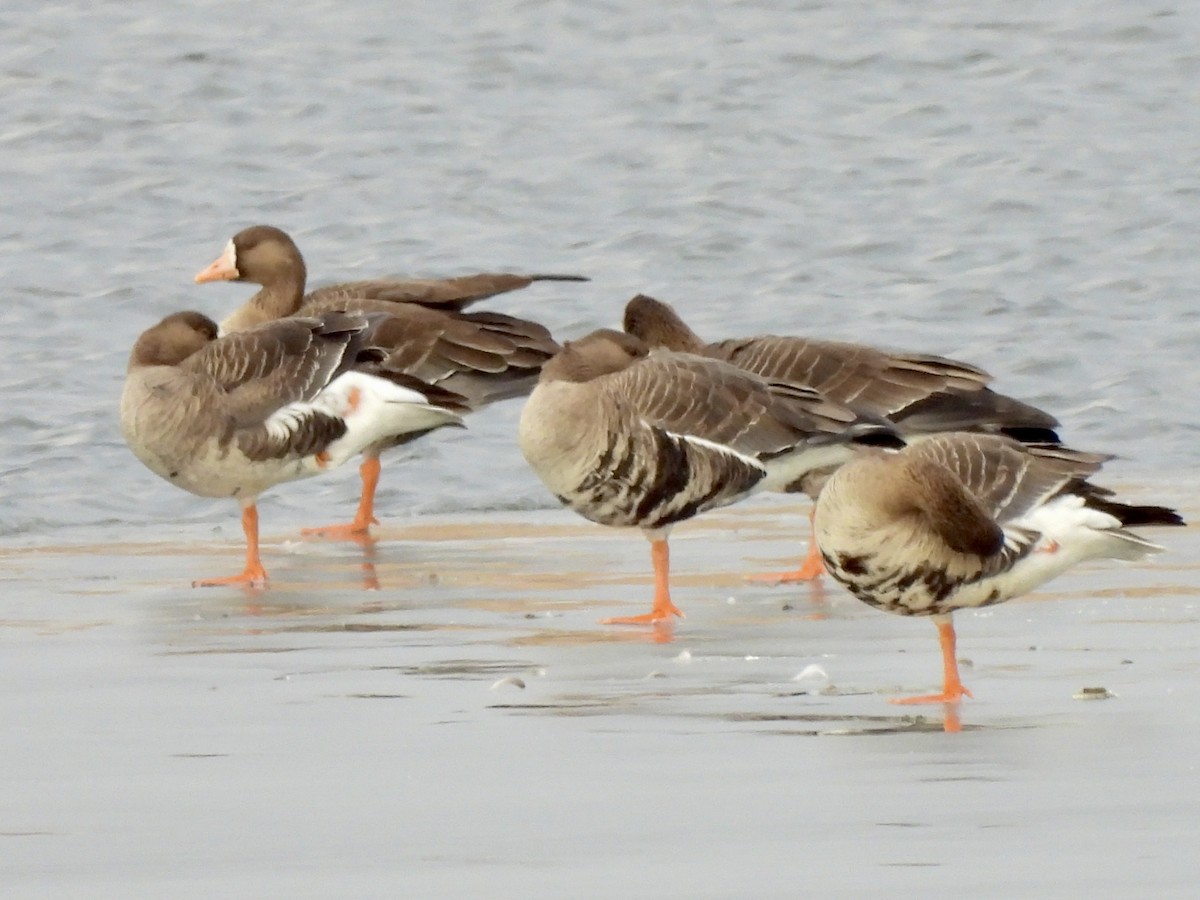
x: 812, y: 672
x: 508, y: 680
x: 684, y: 656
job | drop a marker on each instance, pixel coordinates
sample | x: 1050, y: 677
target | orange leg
x: 254, y: 574
x: 663, y: 608
x: 810, y: 569
x: 365, y: 517
x: 952, y: 686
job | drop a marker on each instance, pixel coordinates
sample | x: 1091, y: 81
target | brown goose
x: 965, y: 520
x: 483, y: 356
x: 626, y: 437
x: 231, y: 417
x: 921, y: 394
x: 267, y: 256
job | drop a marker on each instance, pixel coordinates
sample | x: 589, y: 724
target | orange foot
x: 661, y: 613
x: 950, y: 696
x: 812, y: 569
x: 358, y: 531
x: 252, y: 577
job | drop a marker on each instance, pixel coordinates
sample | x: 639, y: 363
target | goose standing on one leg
x: 231, y: 417
x: 967, y: 520
x: 921, y: 393
x: 629, y: 438
x: 484, y: 356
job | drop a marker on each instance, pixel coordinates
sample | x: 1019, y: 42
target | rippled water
x: 1013, y: 184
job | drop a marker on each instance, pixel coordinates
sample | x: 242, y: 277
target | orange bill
x: 223, y: 268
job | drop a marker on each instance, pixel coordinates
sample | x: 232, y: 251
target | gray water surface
x: 1014, y: 185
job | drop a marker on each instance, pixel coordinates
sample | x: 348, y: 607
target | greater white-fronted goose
x: 966, y: 520
x: 267, y: 256
x: 920, y: 393
x: 483, y: 356
x: 627, y: 437
x: 232, y: 416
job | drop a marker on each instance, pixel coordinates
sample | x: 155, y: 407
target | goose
x: 629, y: 437
x: 233, y: 416
x: 483, y: 356
x: 964, y: 520
x: 920, y: 393
x: 267, y: 256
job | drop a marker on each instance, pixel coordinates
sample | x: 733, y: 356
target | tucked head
x: 600, y: 353
x: 173, y: 340
x: 927, y: 496
x: 659, y: 325
x: 260, y: 254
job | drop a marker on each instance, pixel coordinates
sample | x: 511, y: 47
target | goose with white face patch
x: 627, y: 437
x: 484, y: 356
x: 233, y: 416
x: 962, y: 520
x: 267, y: 256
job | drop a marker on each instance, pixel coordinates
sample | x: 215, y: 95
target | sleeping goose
x: 230, y: 417
x: 920, y: 393
x: 483, y: 356
x: 965, y: 520
x: 626, y: 437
